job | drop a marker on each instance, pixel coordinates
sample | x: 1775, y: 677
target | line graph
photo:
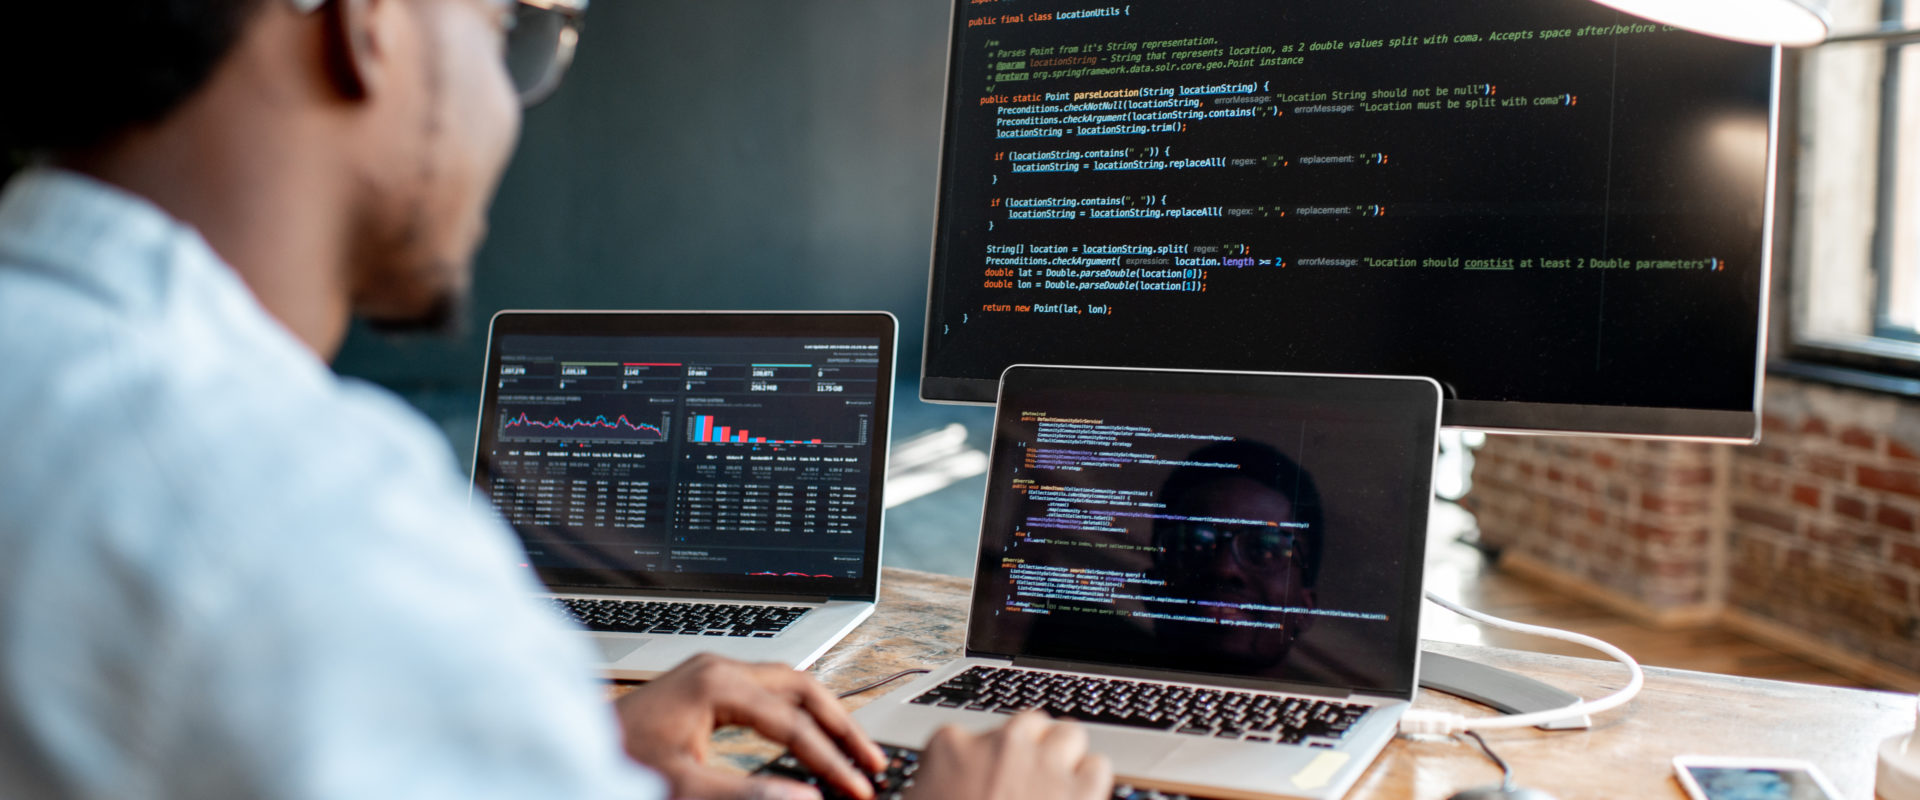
x: 578, y: 425
x: 619, y: 423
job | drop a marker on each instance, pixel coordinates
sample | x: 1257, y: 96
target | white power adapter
x: 1898, y: 776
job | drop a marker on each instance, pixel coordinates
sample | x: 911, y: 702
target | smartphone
x: 1729, y: 778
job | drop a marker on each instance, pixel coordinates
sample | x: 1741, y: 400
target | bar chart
x: 740, y: 429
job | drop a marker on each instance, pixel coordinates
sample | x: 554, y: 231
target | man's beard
x: 447, y: 317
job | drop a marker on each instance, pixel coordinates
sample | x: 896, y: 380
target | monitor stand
x: 1506, y: 692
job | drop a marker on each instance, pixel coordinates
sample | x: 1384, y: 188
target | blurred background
x: 730, y: 154
x: 737, y: 154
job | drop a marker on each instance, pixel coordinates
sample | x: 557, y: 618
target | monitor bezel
x: 1724, y: 426
x: 1676, y: 424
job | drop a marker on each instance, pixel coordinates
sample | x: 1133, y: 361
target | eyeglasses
x: 1257, y: 547
x: 540, y: 39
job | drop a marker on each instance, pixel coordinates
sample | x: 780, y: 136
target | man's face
x: 447, y: 127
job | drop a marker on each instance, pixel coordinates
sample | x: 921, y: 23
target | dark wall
x: 715, y: 154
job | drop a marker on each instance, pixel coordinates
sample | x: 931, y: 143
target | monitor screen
x: 1557, y: 211
x: 736, y: 452
x: 1262, y: 527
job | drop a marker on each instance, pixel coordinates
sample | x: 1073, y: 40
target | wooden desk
x: 921, y: 621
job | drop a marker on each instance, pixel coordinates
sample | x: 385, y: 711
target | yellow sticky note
x: 1320, y: 772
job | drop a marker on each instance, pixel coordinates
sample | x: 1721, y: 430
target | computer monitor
x: 1560, y: 212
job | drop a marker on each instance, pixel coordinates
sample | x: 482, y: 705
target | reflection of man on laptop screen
x: 1240, y: 543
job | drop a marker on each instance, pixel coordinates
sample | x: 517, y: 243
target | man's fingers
x: 834, y: 719
x: 825, y: 710
x: 790, y: 725
x: 946, y: 739
x: 1062, y: 744
x: 1026, y: 728
x: 788, y: 707
x: 1029, y: 757
x: 1094, y: 777
x: 709, y: 783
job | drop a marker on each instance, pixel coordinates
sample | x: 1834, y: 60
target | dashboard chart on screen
x: 739, y: 455
x: 1533, y: 201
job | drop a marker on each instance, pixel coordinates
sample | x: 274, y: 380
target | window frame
x: 1887, y: 357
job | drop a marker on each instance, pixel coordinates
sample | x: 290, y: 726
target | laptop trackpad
x: 1214, y: 763
x: 1130, y: 751
x: 612, y: 649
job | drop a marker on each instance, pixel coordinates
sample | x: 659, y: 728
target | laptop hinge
x: 1255, y: 684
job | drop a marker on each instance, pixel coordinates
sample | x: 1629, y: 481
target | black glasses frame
x: 571, y: 15
x: 1238, y: 539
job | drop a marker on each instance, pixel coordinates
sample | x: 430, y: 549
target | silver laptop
x: 1218, y: 572
x: 693, y: 482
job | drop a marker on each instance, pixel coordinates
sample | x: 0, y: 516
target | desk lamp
x: 1793, y: 23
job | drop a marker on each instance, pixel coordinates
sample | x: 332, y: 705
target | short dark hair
x: 1264, y: 465
x: 80, y: 73
x: 11, y: 161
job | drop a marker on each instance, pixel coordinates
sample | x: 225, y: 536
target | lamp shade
x: 1795, y: 23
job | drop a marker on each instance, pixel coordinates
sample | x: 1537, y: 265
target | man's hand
x: 668, y: 723
x: 1031, y: 757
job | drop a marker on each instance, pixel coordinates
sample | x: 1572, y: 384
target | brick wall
x: 1634, y: 518
x: 1822, y: 537
x: 1810, y: 535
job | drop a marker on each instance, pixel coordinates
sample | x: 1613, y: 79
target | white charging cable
x: 1447, y: 723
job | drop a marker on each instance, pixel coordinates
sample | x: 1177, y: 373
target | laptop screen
x: 690, y: 451
x: 1260, y: 527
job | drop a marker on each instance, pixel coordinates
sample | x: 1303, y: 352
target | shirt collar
x: 115, y: 243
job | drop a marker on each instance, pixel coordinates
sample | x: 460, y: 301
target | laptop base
x: 1232, y: 770
x: 638, y: 657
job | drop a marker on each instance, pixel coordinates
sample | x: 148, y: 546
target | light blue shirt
x: 227, y: 573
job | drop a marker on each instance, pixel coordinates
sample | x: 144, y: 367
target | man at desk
x: 228, y: 573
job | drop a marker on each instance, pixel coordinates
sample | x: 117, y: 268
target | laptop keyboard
x: 892, y: 783
x: 1220, y: 713
x: 686, y: 619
